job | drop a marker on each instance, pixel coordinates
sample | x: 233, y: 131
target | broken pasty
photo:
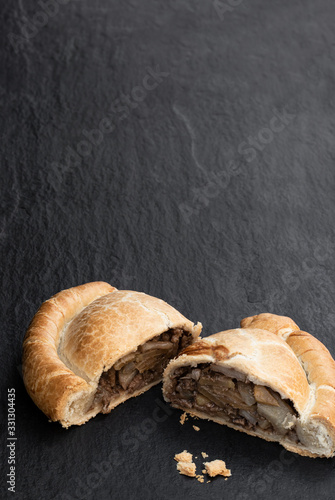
x: 268, y: 379
x: 91, y: 347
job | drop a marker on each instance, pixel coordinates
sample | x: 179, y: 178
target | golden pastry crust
x: 317, y: 362
x: 291, y: 362
x: 280, y: 325
x: 81, y: 332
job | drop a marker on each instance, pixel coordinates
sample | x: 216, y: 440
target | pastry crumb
x: 186, y: 468
x: 217, y: 468
x: 184, y: 456
x: 200, y: 478
x: 204, y: 454
x: 196, y: 428
x: 183, y: 418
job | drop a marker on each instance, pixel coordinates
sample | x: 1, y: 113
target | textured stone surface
x: 173, y: 200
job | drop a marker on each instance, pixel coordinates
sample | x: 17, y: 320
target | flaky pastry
x: 91, y: 347
x: 268, y: 379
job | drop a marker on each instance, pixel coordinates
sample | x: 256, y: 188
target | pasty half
x: 91, y: 347
x: 268, y: 379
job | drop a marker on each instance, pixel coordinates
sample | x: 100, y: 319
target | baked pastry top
x: 268, y: 379
x: 91, y: 347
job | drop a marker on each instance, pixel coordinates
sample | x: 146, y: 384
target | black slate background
x: 168, y: 203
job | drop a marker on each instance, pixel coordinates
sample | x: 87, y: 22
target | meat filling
x: 207, y: 389
x: 141, y: 367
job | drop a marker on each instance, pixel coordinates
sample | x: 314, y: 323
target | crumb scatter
x: 187, y: 467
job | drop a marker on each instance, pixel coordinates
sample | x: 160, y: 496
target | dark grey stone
x: 213, y: 189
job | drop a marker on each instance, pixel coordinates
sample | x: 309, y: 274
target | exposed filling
x: 223, y: 392
x: 141, y: 367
